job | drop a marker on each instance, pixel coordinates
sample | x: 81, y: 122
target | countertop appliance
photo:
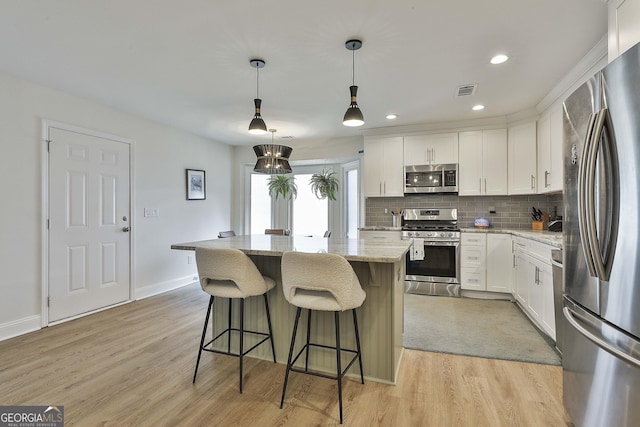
x: 601, y: 354
x: 433, y: 263
x: 431, y: 179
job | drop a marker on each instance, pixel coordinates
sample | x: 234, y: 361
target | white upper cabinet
x: 522, y: 159
x: 383, y: 170
x: 483, y: 163
x: 434, y: 149
x: 550, y: 165
x: 624, y: 30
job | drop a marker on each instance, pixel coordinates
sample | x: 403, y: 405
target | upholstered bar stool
x: 325, y: 282
x: 229, y: 273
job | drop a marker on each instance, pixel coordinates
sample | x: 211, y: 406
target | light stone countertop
x: 548, y: 237
x: 274, y: 245
x: 379, y: 228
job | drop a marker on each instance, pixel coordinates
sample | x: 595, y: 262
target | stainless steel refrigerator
x: 601, y: 303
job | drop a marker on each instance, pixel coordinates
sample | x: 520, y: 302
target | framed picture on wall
x: 196, y: 189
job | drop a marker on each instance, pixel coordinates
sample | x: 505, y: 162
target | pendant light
x: 257, y: 126
x: 273, y: 158
x: 353, y: 116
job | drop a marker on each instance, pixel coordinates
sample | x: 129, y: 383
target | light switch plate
x: 151, y: 212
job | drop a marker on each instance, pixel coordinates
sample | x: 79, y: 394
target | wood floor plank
x: 132, y: 365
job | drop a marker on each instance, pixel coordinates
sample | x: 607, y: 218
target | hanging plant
x: 283, y: 185
x: 324, y: 184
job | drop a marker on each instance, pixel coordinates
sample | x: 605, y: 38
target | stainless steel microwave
x: 431, y: 179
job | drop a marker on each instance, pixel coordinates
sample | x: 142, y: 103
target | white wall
x: 161, y: 155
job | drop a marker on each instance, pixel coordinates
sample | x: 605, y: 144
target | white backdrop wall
x: 160, y: 156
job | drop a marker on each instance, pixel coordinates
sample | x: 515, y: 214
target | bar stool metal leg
x: 306, y: 359
x: 241, y: 352
x: 293, y: 343
x: 355, y: 325
x: 229, y: 322
x: 266, y: 306
x: 339, y: 367
x: 204, y: 334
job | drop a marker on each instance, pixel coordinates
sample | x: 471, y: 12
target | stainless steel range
x: 433, y: 263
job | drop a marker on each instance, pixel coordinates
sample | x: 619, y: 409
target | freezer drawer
x: 599, y: 388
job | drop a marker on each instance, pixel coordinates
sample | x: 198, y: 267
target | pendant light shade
x: 257, y: 125
x: 353, y: 116
x: 273, y: 158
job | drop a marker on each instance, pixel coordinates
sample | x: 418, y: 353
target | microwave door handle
x: 582, y: 191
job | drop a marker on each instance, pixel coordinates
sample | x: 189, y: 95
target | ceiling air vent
x: 466, y: 90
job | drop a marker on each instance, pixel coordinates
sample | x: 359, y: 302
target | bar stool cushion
x: 320, y: 281
x: 230, y: 273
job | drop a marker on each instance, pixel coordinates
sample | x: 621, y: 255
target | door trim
x: 52, y: 124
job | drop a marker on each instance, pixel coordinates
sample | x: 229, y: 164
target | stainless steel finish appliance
x: 431, y: 179
x: 601, y: 354
x: 436, y: 230
x: 556, y: 265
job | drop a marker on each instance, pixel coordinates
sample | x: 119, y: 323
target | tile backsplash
x: 511, y: 211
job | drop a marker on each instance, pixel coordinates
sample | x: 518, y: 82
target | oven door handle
x: 445, y: 243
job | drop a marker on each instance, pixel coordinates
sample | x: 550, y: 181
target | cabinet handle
x: 433, y: 154
x: 514, y: 261
x: 485, y: 186
x: 385, y: 187
x: 381, y: 188
x: 546, y: 181
x: 533, y: 182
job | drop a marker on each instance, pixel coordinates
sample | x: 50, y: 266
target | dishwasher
x: 558, y: 290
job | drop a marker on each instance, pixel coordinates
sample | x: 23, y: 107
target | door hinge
x: 48, y: 301
x: 48, y: 141
x: 48, y: 223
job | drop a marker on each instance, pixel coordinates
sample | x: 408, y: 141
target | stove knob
x: 430, y: 234
x: 410, y: 234
x: 449, y: 234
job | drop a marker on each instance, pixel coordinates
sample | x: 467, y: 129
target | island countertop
x: 274, y: 245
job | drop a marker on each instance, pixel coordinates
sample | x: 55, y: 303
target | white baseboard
x: 19, y: 327
x: 159, y: 288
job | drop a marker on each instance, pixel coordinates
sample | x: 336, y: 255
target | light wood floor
x: 132, y: 366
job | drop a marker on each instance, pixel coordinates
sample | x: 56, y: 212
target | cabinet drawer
x: 472, y: 279
x: 473, y: 256
x: 380, y: 235
x: 473, y: 239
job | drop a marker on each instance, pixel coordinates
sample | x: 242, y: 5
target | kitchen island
x: 380, y: 268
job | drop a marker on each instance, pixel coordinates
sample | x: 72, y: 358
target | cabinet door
x: 472, y: 279
x: 544, y: 154
x: 499, y: 263
x: 557, y: 164
x: 373, y: 172
x: 624, y: 31
x: 415, y: 150
x: 548, y: 318
x: 534, y: 302
x: 393, y: 183
x: 444, y: 148
x: 522, y: 159
x: 470, y: 163
x: 524, y: 273
x: 494, y: 162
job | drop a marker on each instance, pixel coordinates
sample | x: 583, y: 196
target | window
x: 260, y: 204
x: 351, y: 198
x: 310, y: 214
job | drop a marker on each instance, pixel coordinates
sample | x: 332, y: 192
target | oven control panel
x: 448, y: 235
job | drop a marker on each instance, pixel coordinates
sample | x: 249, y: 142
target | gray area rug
x: 473, y: 327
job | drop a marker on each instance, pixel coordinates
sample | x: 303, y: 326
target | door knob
x: 126, y: 229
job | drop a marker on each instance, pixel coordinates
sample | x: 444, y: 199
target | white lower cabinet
x: 486, y: 263
x: 380, y: 235
x: 534, y: 283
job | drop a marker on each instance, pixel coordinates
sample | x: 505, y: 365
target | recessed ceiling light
x: 392, y: 116
x: 478, y: 107
x: 499, y: 59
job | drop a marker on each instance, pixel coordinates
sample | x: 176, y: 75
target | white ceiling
x: 186, y: 63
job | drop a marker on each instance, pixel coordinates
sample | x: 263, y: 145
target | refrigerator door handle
x: 603, y: 131
x: 570, y: 316
x: 582, y: 193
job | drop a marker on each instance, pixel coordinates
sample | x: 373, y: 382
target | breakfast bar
x: 380, y: 268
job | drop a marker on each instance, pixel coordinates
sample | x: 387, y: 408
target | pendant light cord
x: 258, y: 82
x: 353, y: 67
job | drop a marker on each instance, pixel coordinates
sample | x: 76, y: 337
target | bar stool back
x: 326, y: 282
x: 229, y: 273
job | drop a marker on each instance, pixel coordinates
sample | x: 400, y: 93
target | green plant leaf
x: 324, y: 184
x: 283, y: 185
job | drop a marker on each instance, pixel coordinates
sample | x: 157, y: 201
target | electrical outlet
x: 189, y: 259
x: 386, y: 210
x: 492, y: 209
x: 151, y: 212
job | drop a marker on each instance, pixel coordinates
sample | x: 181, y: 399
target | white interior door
x: 89, y: 216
